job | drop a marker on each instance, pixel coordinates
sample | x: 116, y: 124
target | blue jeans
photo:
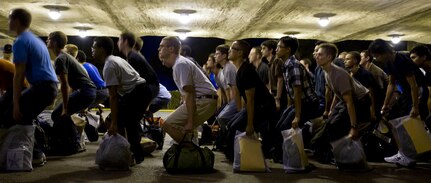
x: 101, y: 96
x: 78, y: 100
x: 33, y: 101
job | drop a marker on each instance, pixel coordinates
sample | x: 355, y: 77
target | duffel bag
x: 187, y: 157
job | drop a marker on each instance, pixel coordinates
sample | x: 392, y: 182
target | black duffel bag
x: 187, y: 157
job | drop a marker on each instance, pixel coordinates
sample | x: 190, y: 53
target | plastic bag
x: 248, y: 155
x: 349, y: 154
x: 294, y: 157
x: 113, y: 153
x: 411, y: 135
x: 16, y: 151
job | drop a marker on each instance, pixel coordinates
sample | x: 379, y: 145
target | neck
x: 326, y: 67
x: 269, y: 58
x: 238, y: 62
x: 126, y: 51
x: 224, y: 62
x: 355, y: 69
x: 285, y: 57
x: 367, y: 65
x: 56, y: 51
x: 20, y: 31
x: 257, y: 62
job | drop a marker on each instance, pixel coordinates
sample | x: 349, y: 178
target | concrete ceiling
x: 234, y: 19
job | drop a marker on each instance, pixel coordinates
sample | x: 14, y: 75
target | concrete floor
x: 81, y: 168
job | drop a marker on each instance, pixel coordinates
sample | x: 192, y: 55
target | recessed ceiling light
x: 184, y: 17
x: 396, y: 38
x: 55, y: 11
x: 83, y: 31
x: 182, y: 33
x: 324, y: 18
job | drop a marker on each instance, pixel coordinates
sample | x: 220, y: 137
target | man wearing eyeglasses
x: 199, y: 94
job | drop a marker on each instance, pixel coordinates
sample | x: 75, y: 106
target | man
x: 342, y: 55
x: 276, y: 81
x: 404, y: 73
x: 307, y: 63
x: 7, y: 52
x: 72, y: 75
x: 101, y: 90
x: 378, y: 74
x: 199, y: 95
x: 366, y: 79
x: 141, y: 65
x: 71, y: 49
x: 260, y: 105
x: 229, y: 74
x: 125, y: 94
x: 262, y: 68
x: 299, y: 86
x: 350, y: 105
x: 216, y: 69
x: 319, y: 81
x: 32, y: 62
x: 138, y: 45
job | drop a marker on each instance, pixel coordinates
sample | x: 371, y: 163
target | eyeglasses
x: 236, y: 49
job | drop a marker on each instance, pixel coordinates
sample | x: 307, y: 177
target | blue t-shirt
x: 32, y: 51
x: 94, y: 75
x: 213, y: 80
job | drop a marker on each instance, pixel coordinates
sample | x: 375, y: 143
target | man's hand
x: 295, y: 122
x: 384, y: 110
x: 414, y: 113
x: 17, y: 114
x: 249, y: 130
x: 113, y: 130
x: 64, y: 113
x: 353, y: 134
x: 325, y: 115
x: 373, y: 116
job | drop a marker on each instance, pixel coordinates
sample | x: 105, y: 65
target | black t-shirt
x: 140, y: 64
x: 365, y: 78
x: 428, y: 79
x: 247, y: 78
x: 263, y: 71
x: 400, y: 68
x: 77, y: 76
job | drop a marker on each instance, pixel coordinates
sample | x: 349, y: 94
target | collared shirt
x: 185, y: 73
x: 295, y: 74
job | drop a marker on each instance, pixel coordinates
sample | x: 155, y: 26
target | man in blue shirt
x: 32, y: 61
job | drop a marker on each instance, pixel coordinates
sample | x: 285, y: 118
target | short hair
x: 307, y: 61
x: 139, y: 44
x: 421, y: 51
x: 367, y: 54
x: 271, y: 44
x: 71, y: 49
x: 129, y: 37
x: 290, y: 42
x: 186, y: 50
x: 223, y: 49
x: 212, y: 57
x: 59, y: 38
x: 319, y: 43
x: 330, y: 49
x: 106, y: 43
x: 245, y: 48
x: 356, y: 55
x: 81, y: 57
x: 380, y: 46
x: 22, y: 15
x: 258, y: 50
x: 174, y: 42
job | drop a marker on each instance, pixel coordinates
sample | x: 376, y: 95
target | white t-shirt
x: 118, y: 72
x: 220, y: 80
x: 185, y: 72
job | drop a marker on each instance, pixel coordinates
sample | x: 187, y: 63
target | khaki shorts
x: 205, y: 108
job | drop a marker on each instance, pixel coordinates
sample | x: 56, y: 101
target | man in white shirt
x: 199, y: 94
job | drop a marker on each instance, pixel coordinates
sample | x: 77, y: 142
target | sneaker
x: 394, y: 158
x: 39, y: 160
x: 404, y: 161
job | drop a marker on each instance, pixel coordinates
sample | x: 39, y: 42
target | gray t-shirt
x: 77, y: 76
x: 229, y: 73
x: 220, y: 80
x: 340, y: 82
x: 118, y: 72
x: 185, y: 72
x: 379, y: 75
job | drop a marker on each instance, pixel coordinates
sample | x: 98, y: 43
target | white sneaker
x: 394, y: 158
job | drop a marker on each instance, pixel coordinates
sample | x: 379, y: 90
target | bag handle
x: 180, y: 147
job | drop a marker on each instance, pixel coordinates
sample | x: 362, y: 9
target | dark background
x: 202, y: 47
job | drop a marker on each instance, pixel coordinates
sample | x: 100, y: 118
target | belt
x: 207, y: 96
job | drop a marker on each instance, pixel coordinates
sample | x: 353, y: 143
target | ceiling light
x: 396, y: 38
x: 291, y: 33
x: 184, y: 17
x: 182, y: 33
x: 324, y: 18
x: 83, y: 31
x: 55, y: 11
x: 54, y: 14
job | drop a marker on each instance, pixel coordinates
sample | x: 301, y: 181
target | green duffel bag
x: 187, y: 157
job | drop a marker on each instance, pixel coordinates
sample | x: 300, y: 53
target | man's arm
x: 348, y: 99
x: 429, y: 98
x: 279, y: 92
x: 239, y: 101
x: 373, y: 104
x: 18, y: 81
x: 415, y: 96
x: 389, y: 92
x: 190, y: 99
x: 228, y: 93
x: 64, y: 91
x: 113, y: 102
x: 250, y: 110
x: 328, y: 101
x: 298, y: 104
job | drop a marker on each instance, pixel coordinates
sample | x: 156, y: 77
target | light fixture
x: 291, y: 33
x: 82, y: 31
x: 396, y: 38
x: 324, y: 18
x: 184, y: 17
x: 182, y: 33
x: 55, y: 11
